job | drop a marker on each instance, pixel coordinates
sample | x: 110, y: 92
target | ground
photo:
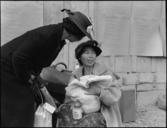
x: 148, y: 116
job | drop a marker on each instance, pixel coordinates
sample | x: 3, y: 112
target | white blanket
x: 75, y: 89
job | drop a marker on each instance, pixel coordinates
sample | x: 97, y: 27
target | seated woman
x: 105, y: 114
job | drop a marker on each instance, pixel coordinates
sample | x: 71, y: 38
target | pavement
x: 148, y: 116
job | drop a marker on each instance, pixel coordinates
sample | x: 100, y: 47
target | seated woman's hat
x: 90, y: 43
x: 80, y: 20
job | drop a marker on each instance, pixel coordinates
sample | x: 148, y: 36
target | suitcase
x: 127, y: 105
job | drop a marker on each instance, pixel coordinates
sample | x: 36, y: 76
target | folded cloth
x: 87, y: 80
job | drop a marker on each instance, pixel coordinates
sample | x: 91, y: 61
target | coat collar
x: 97, y: 70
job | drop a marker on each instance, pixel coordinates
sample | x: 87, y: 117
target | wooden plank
x: 159, y: 64
x: 143, y: 64
x: 134, y: 64
x: 149, y: 10
x: 146, y: 38
x: 131, y: 78
x: 160, y: 77
x: 123, y: 64
x: 146, y: 77
x: 112, y: 26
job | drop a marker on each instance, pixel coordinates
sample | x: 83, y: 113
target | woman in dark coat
x: 28, y: 54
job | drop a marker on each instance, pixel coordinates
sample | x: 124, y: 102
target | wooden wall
x: 114, y: 30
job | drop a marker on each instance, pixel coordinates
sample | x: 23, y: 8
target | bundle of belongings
x: 88, y: 112
x: 90, y: 103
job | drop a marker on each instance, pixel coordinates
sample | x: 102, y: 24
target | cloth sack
x: 43, y: 114
x: 43, y: 118
x: 46, y: 106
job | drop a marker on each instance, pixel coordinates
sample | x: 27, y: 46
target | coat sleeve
x: 109, y: 96
x: 112, y: 94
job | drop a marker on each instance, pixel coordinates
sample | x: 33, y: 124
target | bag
x: 42, y: 118
x: 43, y: 114
x: 57, y: 80
x: 52, y: 75
x: 45, y: 102
x: 65, y: 118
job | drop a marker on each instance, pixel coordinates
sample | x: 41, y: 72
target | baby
x: 77, y: 93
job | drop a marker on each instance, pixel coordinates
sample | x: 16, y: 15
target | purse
x: 57, y: 80
x: 52, y: 75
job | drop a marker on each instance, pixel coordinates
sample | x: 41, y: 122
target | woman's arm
x: 109, y: 96
x: 112, y: 94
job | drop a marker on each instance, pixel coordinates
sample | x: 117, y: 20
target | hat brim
x: 79, y: 26
x: 97, y: 49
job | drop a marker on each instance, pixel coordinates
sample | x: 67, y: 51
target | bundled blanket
x: 90, y: 103
x: 75, y: 89
x: 110, y: 93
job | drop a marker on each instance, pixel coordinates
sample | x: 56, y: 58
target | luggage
x: 127, y: 105
x: 56, y: 78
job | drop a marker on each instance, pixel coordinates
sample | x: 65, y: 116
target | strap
x: 60, y: 63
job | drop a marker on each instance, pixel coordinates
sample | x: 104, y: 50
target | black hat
x: 80, y: 20
x: 90, y: 43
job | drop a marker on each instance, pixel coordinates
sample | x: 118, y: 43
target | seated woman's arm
x: 109, y: 96
x: 112, y: 94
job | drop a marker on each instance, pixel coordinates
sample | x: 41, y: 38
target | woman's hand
x: 93, y: 90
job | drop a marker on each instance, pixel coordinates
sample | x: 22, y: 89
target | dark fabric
x: 72, y: 28
x: 65, y: 118
x: 20, y: 57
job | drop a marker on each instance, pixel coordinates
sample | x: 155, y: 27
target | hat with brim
x: 81, y: 21
x: 90, y: 43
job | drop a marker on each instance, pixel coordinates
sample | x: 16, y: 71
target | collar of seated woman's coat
x: 99, y: 69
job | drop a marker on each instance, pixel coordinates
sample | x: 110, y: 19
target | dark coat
x: 29, y: 52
